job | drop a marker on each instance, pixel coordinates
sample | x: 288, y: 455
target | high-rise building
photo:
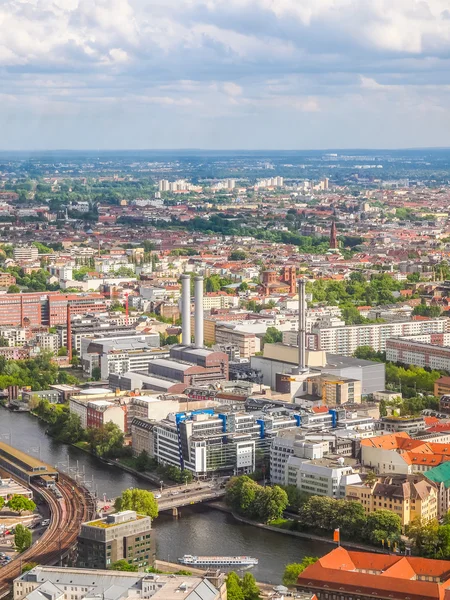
x: 345, y: 340
x: 163, y: 185
x: 120, y: 536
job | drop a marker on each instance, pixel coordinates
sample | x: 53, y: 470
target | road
x: 180, y: 495
x: 67, y: 514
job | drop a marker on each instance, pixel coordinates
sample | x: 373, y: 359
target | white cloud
x: 232, y: 89
x: 238, y: 59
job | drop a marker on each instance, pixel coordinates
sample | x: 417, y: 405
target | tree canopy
x: 22, y: 538
x: 292, y: 571
x: 254, y: 501
x: 142, y: 501
x: 123, y: 565
x: 19, y: 504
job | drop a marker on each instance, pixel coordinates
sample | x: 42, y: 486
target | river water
x: 200, y: 530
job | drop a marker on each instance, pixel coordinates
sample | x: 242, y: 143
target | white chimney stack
x: 198, y: 290
x: 302, y: 325
x: 185, y: 310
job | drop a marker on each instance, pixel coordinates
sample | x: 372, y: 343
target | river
x: 200, y: 530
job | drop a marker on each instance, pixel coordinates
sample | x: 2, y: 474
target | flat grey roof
x: 339, y: 360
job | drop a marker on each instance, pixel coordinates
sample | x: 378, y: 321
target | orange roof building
x: 347, y: 575
x: 399, y: 453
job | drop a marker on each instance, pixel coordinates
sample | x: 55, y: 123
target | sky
x: 224, y: 74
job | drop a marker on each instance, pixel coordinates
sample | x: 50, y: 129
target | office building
x: 117, y: 355
x: 327, y: 476
x: 46, y: 308
x: 410, y: 425
x: 120, y: 536
x: 59, y: 583
x: 291, y: 443
x: 205, y: 442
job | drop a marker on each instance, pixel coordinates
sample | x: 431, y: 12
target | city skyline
x: 133, y: 74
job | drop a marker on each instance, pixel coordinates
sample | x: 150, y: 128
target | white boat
x: 218, y: 561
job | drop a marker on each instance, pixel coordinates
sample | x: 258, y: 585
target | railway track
x: 59, y: 539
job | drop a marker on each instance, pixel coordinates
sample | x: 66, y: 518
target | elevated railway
x: 59, y: 540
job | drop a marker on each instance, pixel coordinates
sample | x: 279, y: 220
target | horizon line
x: 325, y: 149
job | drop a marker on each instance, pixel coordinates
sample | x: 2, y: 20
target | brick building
x: 46, y: 308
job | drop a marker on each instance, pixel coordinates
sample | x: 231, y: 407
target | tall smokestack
x: 301, y: 325
x: 198, y: 288
x: 69, y: 331
x: 185, y: 309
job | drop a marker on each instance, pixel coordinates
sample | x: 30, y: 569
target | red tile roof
x: 381, y: 575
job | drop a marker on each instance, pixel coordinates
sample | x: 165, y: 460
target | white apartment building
x: 218, y: 300
x: 47, y: 342
x: 345, y: 340
x: 286, y: 444
x: 320, y: 477
x: 16, y: 336
x: 25, y: 253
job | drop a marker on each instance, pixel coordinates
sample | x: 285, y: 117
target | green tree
x: 3, y: 342
x: 371, y: 478
x: 292, y: 571
x: 237, y: 255
x: 28, y: 566
x: 142, y: 501
x: 20, y: 504
x: 383, y: 525
x: 67, y: 428
x: 106, y: 441
x: 425, y: 537
x: 62, y: 351
x: 368, y: 353
x: 2, y: 502
x: 22, y: 538
x: 272, y: 336
x: 270, y: 503
x: 234, y: 590
x: 123, y: 565
x: 142, y: 461
x: 13, y: 289
x: 171, y: 339
x: 249, y: 588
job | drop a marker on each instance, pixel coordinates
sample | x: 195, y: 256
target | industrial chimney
x: 302, y: 325
x: 185, y: 309
x: 69, y: 332
x: 198, y: 289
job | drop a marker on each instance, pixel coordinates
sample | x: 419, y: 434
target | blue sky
x: 272, y: 74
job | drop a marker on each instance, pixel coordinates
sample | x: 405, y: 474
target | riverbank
x: 300, y: 534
